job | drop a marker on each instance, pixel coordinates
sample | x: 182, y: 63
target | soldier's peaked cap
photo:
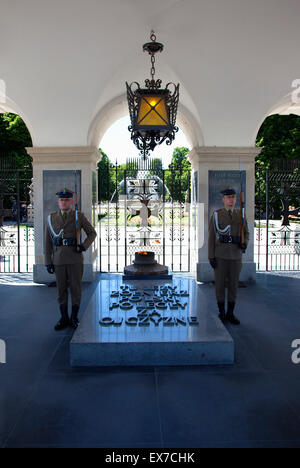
x: 228, y: 191
x: 65, y: 193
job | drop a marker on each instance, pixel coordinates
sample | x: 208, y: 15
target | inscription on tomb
x: 162, y: 305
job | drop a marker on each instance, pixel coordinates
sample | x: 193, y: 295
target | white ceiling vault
x: 65, y: 64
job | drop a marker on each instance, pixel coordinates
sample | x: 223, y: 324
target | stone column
x: 83, y: 159
x: 205, y: 159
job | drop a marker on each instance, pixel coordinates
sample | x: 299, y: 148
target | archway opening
x: 143, y: 205
x: 16, y: 195
x: 116, y: 143
x: 277, y: 193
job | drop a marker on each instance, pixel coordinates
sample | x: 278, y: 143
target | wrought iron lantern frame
x: 146, y: 136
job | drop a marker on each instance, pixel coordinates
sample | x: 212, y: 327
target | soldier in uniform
x: 225, y: 252
x: 63, y: 254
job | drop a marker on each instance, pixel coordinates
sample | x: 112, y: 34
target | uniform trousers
x: 230, y: 270
x: 69, y: 276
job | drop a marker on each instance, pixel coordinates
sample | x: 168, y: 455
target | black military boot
x: 64, y: 321
x: 229, y: 316
x: 221, y: 306
x: 74, y: 322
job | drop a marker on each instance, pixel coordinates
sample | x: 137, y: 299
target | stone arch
x: 7, y: 105
x: 285, y: 106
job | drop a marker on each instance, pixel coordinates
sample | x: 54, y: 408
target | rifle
x: 242, y: 213
x: 1, y: 212
x: 77, y: 229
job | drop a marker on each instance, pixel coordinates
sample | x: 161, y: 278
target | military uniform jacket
x: 217, y: 249
x: 66, y: 255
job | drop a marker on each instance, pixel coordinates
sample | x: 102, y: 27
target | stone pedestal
x: 150, y: 323
x: 146, y: 267
x: 203, y: 160
x: 81, y: 159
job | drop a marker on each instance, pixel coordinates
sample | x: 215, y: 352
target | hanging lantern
x: 152, y: 110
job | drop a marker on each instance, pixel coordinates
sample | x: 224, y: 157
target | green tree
x: 105, y: 182
x: 157, y: 171
x: 14, y: 137
x: 279, y: 138
x: 110, y: 175
x: 178, y: 175
x: 156, y: 167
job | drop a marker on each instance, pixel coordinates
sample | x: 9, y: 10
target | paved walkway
x: 254, y: 403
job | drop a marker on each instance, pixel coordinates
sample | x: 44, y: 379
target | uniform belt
x: 229, y: 239
x: 59, y: 241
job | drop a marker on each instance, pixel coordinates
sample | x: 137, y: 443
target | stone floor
x: 254, y: 403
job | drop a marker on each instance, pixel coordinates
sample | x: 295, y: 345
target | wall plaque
x: 217, y: 181
x: 53, y: 181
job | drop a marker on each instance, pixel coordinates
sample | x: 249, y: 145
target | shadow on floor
x: 254, y: 403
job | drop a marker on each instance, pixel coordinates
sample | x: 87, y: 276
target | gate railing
x: 16, y: 218
x: 277, y: 217
x: 143, y: 208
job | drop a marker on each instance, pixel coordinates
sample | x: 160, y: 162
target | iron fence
x: 146, y: 207
x: 143, y: 207
x: 16, y: 217
x: 277, y: 220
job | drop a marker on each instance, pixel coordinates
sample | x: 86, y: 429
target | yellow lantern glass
x: 152, y: 111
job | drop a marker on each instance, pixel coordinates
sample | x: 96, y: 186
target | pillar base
x: 205, y: 273
x: 227, y: 162
x: 41, y: 276
x: 49, y: 162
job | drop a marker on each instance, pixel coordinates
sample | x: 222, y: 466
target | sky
x: 116, y: 143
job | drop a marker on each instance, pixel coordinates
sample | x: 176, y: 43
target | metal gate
x: 143, y: 207
x: 16, y: 216
x: 277, y: 214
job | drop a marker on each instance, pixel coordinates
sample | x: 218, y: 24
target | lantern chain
x: 152, y: 71
x: 152, y: 67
